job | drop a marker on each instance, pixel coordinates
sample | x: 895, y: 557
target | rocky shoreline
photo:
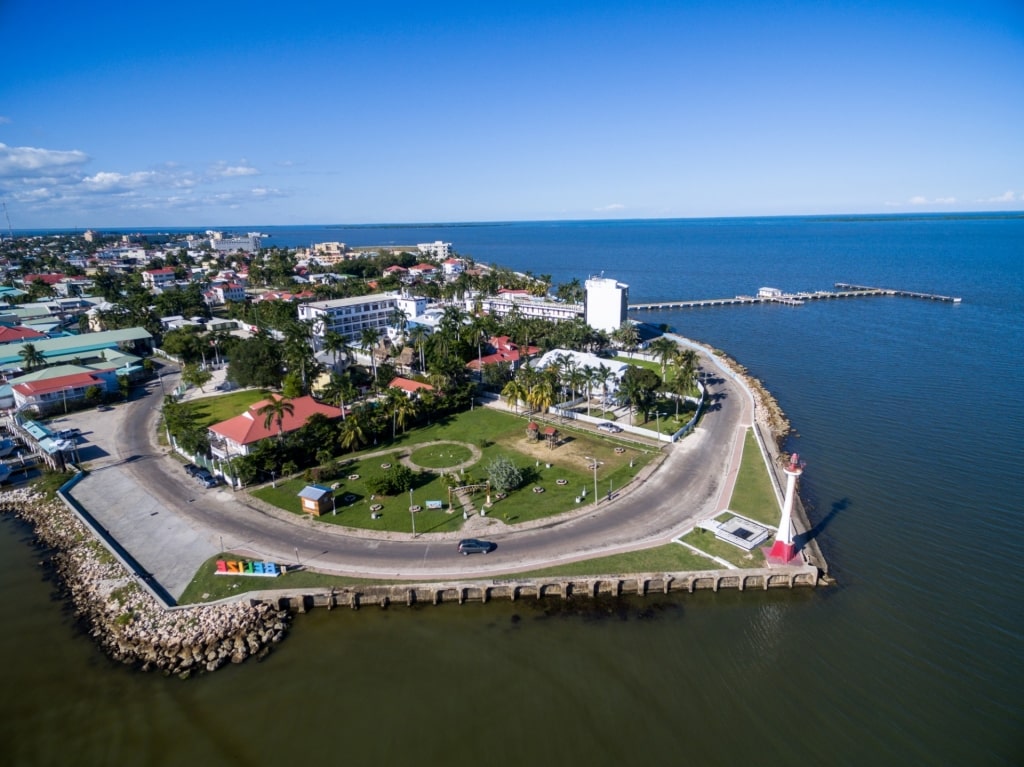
x: 125, y: 619
x: 768, y: 412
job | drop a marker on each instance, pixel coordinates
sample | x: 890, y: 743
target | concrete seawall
x: 579, y: 587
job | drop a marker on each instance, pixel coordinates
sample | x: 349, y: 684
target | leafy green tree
x: 503, y: 474
x: 194, y: 375
x: 257, y: 363
x: 394, y: 481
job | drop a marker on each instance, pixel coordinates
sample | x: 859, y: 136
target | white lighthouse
x: 783, y: 550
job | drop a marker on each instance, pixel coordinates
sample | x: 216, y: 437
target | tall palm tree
x: 664, y: 349
x: 513, y: 392
x: 338, y: 391
x: 31, y: 356
x: 685, y: 362
x: 275, y: 411
x: 368, y: 341
x: 337, y: 345
x: 352, y: 434
x: 418, y: 335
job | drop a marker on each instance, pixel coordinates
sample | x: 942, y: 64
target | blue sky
x: 224, y: 113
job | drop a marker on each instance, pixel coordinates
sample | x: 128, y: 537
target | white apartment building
x: 349, y: 316
x: 437, y: 249
x: 248, y: 244
x: 527, y: 306
x: 605, y: 303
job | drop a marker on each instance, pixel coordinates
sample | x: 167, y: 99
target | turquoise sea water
x: 910, y: 417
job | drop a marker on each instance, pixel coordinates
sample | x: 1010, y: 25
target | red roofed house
x: 49, y: 279
x: 52, y: 394
x: 395, y: 270
x: 503, y: 351
x: 159, y: 279
x: 410, y: 387
x: 453, y: 266
x: 19, y: 334
x: 239, y: 435
x: 423, y: 270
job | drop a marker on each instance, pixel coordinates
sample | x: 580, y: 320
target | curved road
x: 171, y: 525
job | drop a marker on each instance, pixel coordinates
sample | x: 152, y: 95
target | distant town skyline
x: 230, y: 114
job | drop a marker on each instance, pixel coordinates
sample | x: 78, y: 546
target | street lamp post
x: 594, y: 464
x: 658, y: 416
x: 412, y: 514
x: 273, y: 478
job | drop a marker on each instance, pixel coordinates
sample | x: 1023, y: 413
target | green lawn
x: 668, y: 558
x: 706, y: 541
x: 208, y: 587
x: 494, y: 433
x: 753, y: 495
x: 211, y: 410
x: 441, y: 456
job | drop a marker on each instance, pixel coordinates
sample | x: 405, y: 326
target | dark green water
x: 911, y: 422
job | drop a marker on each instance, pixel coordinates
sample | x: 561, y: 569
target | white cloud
x: 29, y: 161
x: 613, y: 206
x: 1007, y: 196
x: 223, y: 170
x: 920, y: 200
x: 118, y: 182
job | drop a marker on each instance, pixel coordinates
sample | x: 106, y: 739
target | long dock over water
x: 776, y: 296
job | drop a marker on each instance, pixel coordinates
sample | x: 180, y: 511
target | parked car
x: 469, y: 546
x: 209, y: 481
x: 68, y: 433
x: 609, y: 427
x: 202, y: 475
x: 192, y: 470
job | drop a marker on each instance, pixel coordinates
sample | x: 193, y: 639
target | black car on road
x: 469, y: 546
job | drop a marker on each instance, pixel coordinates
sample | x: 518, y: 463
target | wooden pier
x: 843, y: 290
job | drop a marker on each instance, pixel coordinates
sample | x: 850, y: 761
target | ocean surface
x: 910, y: 416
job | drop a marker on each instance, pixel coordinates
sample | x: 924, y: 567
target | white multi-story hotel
x: 526, y: 306
x: 349, y: 316
x: 437, y: 249
x: 605, y: 303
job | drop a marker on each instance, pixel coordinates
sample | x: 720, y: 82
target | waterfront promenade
x: 140, y: 496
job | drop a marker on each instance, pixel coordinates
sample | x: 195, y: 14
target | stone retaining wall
x: 584, y: 587
x: 125, y: 618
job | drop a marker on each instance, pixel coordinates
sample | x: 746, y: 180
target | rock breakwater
x: 125, y: 619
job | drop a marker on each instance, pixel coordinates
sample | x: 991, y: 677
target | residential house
x: 241, y: 434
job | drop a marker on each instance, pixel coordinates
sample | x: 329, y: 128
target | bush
x: 504, y: 474
x: 397, y: 479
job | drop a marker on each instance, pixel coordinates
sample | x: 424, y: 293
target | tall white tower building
x: 605, y: 303
x: 784, y: 549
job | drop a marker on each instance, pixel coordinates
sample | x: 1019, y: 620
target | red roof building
x: 51, y: 394
x: 49, y: 279
x: 503, y: 351
x: 238, y: 435
x: 18, y: 334
x: 410, y: 387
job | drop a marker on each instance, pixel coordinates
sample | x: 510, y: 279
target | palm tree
x: 686, y: 361
x: 513, y: 392
x: 31, y: 356
x: 368, y: 341
x: 626, y: 336
x: 275, y: 411
x: 591, y: 377
x: 339, y: 389
x: 664, y: 349
x: 352, y: 434
x: 418, y: 335
x: 337, y: 345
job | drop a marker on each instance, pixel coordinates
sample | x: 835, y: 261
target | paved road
x: 171, y: 525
